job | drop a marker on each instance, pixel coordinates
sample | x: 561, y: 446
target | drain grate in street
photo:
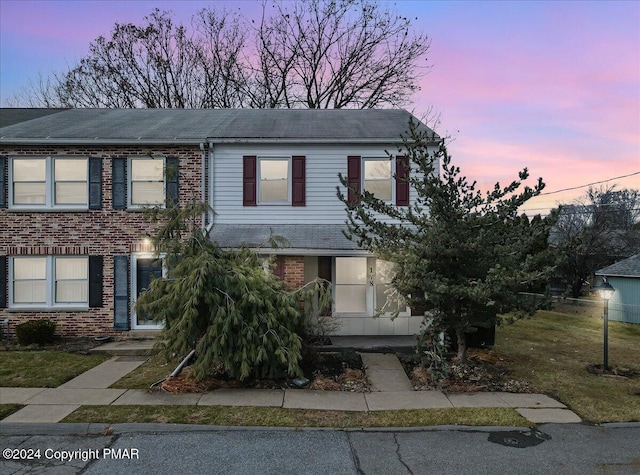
x: 518, y: 439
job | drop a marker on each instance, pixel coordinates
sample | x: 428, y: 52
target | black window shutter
x: 3, y: 182
x: 95, y: 281
x: 171, y: 177
x: 249, y: 166
x: 3, y: 281
x: 325, y: 271
x: 298, y: 181
x: 95, y: 183
x: 119, y: 183
x: 325, y: 268
x: 121, y: 292
x: 402, y: 181
x: 354, y: 165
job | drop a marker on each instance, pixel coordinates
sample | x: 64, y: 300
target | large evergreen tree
x: 226, y: 304
x: 462, y: 255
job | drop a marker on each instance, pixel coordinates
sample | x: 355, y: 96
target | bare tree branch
x: 312, y: 53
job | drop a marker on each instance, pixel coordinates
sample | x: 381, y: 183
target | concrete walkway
x: 392, y: 391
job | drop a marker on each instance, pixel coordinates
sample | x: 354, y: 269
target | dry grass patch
x: 278, y: 417
x: 152, y: 370
x: 552, y: 351
x: 48, y: 369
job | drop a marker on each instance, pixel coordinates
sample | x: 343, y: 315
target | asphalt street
x: 140, y: 449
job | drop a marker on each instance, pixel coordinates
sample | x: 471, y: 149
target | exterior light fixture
x: 606, y: 290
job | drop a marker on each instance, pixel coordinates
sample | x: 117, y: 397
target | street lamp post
x: 606, y: 291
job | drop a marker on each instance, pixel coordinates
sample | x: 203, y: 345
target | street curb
x: 620, y: 425
x: 84, y: 429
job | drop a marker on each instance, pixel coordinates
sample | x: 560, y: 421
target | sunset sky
x: 552, y: 86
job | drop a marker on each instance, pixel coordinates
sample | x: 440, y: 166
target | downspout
x: 203, y: 180
x: 209, y: 185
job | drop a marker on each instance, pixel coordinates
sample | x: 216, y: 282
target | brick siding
x: 106, y: 232
x: 294, y: 271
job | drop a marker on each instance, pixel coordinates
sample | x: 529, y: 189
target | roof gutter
x: 98, y: 141
x: 289, y: 251
x: 330, y: 141
x: 197, y: 142
x: 617, y: 275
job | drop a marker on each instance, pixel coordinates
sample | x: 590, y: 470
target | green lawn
x: 552, y: 351
x: 277, y: 417
x: 43, y: 369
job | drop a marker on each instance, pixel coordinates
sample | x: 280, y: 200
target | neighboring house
x: 624, y: 277
x: 73, y: 185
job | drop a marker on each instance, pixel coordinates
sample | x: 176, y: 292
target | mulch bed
x: 341, y: 371
x: 483, y: 371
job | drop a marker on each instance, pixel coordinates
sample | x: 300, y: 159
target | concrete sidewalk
x: 390, y: 392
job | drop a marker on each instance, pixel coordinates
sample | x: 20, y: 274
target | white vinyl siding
x: 323, y: 163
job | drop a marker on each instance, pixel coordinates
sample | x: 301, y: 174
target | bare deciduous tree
x: 312, y: 53
x: 340, y: 53
x: 595, y: 231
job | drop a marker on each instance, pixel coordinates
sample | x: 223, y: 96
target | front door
x: 146, y: 270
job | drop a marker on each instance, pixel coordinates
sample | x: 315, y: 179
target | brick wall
x: 106, y: 232
x: 294, y: 271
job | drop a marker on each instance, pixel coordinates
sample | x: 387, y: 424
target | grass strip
x: 8, y: 409
x: 278, y: 417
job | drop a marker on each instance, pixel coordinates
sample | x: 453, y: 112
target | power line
x: 589, y: 184
x: 594, y: 205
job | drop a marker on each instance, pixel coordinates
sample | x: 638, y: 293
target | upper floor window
x: 388, y: 179
x: 378, y: 178
x: 49, y: 182
x: 147, y: 183
x: 274, y: 180
x: 49, y: 281
x: 138, y: 182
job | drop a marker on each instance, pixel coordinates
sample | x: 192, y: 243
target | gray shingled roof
x: 15, y: 115
x: 221, y: 125
x: 629, y: 267
x: 298, y: 236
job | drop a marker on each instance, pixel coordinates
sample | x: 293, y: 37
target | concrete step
x: 142, y: 347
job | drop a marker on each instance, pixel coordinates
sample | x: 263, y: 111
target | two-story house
x: 73, y: 186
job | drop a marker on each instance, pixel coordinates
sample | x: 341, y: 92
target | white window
x: 49, y: 281
x: 273, y: 178
x: 49, y: 182
x: 147, y: 183
x: 351, y: 285
x: 377, y: 177
x: 363, y: 284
